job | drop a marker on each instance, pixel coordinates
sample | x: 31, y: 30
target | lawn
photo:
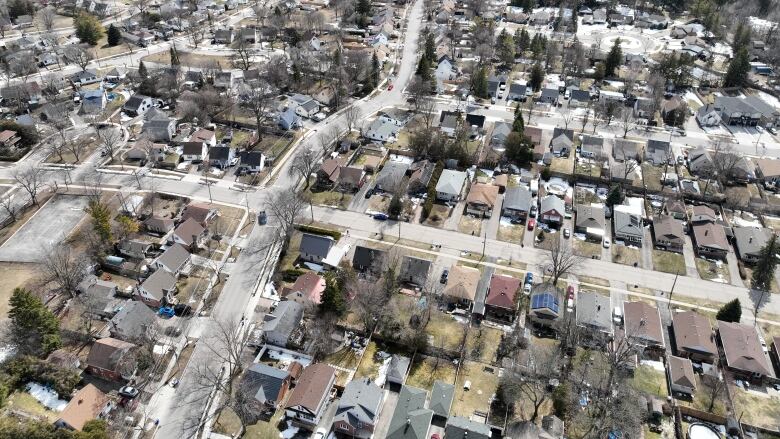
x: 265, y: 430
x: 470, y: 225
x: 292, y: 253
x: 511, y: 233
x: 715, y: 271
x: 483, y: 380
x: 330, y: 198
x: 378, y: 203
x: 14, y: 275
x: 588, y: 168
x: 649, y: 380
x: 586, y: 249
x: 482, y: 344
x: 626, y: 255
x: 445, y: 330
x: 702, y: 397
x: 757, y: 408
x: 426, y: 370
x: 369, y: 366
x: 189, y: 59
x: 668, y: 262
x: 652, y: 176
x: 439, y: 213
x: 563, y: 165
x: 24, y: 402
x: 345, y: 357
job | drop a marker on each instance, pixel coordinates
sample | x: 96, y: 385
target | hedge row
x: 319, y: 231
x: 428, y: 206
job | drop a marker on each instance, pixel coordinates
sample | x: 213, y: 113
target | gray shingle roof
x: 441, y: 398
x: 316, y: 244
x: 593, y: 310
x: 411, y: 419
x: 389, y: 178
x: 750, y: 240
x: 589, y: 216
x: 280, y: 324
x: 517, y: 198
x: 359, y: 403
x: 463, y: 428
x: 174, y: 257
x: 398, y: 367
x: 366, y: 257
x: 158, y: 283
x: 551, y: 202
x: 627, y: 223
x: 264, y: 382
x: 415, y: 268
x: 133, y: 321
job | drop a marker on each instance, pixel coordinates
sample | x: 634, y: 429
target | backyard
x: 426, y: 370
x: 446, y: 332
x: 650, y: 380
x: 760, y: 407
x: 483, y: 381
x: 482, y: 344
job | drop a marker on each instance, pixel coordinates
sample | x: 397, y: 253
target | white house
x: 450, y: 185
x: 305, y: 105
x: 708, y: 116
x: 382, y: 130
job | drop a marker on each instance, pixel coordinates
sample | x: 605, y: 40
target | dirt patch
x: 14, y: 275
x: 470, y: 225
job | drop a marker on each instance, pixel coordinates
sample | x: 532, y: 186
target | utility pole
x: 671, y: 292
x: 484, y: 244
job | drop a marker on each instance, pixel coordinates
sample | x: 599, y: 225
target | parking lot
x: 49, y: 226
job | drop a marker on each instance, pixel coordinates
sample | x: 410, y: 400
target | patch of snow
x: 289, y: 432
x: 49, y: 398
x: 690, y: 96
x: 657, y: 365
x: 7, y: 352
x: 382, y: 373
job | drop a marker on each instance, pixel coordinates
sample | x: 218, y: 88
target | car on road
x: 531, y: 224
x: 369, y: 192
x: 772, y: 130
x: 527, y: 289
x: 444, y: 275
x: 606, y: 243
x: 174, y: 382
x: 759, y: 128
x: 533, y: 211
x: 566, y: 233
x: 262, y: 218
x: 380, y: 216
x: 390, y: 87
x: 129, y: 392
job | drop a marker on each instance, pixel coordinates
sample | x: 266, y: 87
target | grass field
x: 649, y: 380
x: 586, y: 249
x: 626, y: 255
x: 14, y: 276
x: 330, y: 198
x: 426, y: 370
x: 345, y: 357
x: 714, y: 271
x: 483, y: 380
x: 24, y: 402
x: 439, y: 213
x: 445, y: 330
x: 668, y: 262
x: 482, y: 344
x: 470, y: 225
x: 511, y: 233
x: 757, y: 408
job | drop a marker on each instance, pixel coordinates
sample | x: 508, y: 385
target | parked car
x: 529, y: 278
x: 321, y: 433
x: 566, y: 233
x: 617, y: 316
x: 182, y: 309
x: 262, y: 218
x: 444, y: 275
x: 531, y: 224
x: 390, y: 87
x: 369, y: 192
x: 380, y: 216
x: 606, y: 243
x: 527, y: 289
x: 174, y: 382
x: 166, y: 311
x: 129, y: 392
x: 533, y: 211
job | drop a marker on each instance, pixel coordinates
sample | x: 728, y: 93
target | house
x: 305, y: 105
x: 350, y: 179
x: 590, y: 221
x: 442, y: 395
x: 552, y: 210
x: 194, y: 151
x: 264, y: 387
x: 770, y: 116
x: 562, y: 142
x: 24, y: 21
x: 157, y: 225
x: 248, y: 35
x: 328, y: 173
x: 445, y: 70
x: 737, y: 111
x: 450, y: 185
x: 160, y: 129
x: 368, y: 259
x: 745, y: 356
x: 359, y: 408
x: 278, y: 326
x: 681, y: 376
x: 389, y: 179
x: 643, y: 325
x: 481, y: 199
x: 749, y: 241
x: 224, y: 80
x: 98, y: 296
x: 307, y: 289
x: 137, y: 105
x: 550, y: 96
x: 135, y: 321
x: 517, y: 92
x: 627, y: 225
x: 106, y: 360
x: 208, y: 137
x: 29, y: 94
x: 223, y: 36
x: 461, y: 287
x: 500, y: 300
x: 116, y: 74
x: 544, y: 307
x: 710, y: 240
x: 134, y: 248
x: 85, y: 77
x: 157, y: 290
x: 200, y: 212
x: 592, y: 147
x: 493, y: 84
x: 501, y: 130
x: 657, y: 152
x: 65, y: 359
x: 708, y: 116
x: 700, y: 161
x: 464, y: 428
x: 517, y: 202
x: 190, y: 234
x: 693, y: 337
x: 676, y: 209
x: 594, y: 317
x: 624, y: 150
x: 87, y: 404
x: 397, y: 369
x: 174, y: 260
x: 411, y: 420
x: 421, y: 173
x: 382, y: 130
x: 221, y: 156
x: 767, y: 170
x: 702, y: 213
x: 668, y: 233
x: 93, y: 101
x: 415, y: 270
x: 252, y: 162
x: 309, y: 398
x: 314, y: 248
x: 289, y: 119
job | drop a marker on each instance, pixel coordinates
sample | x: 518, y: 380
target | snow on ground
x: 691, y: 96
x: 657, y: 365
x: 49, y: 398
x: 382, y: 372
x: 769, y: 99
x: 289, y: 432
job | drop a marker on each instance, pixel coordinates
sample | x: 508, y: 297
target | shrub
x: 291, y: 275
x: 24, y: 369
x: 319, y: 231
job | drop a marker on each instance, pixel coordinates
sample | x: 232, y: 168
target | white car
x: 606, y: 242
x: 321, y: 433
x: 527, y: 288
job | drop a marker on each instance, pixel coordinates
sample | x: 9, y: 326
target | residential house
x: 175, y: 260
x: 464, y: 428
x: 221, y: 156
x: 681, y: 376
x: 200, y: 212
x: 500, y: 300
x: 359, y: 408
x: 737, y: 111
x: 700, y: 161
x: 264, y: 387
x: 493, y: 84
x: 606, y: 96
x: 481, y: 199
x: 550, y: 96
x: 208, y: 137
x: 421, y: 173
x: 411, y: 420
x: 708, y: 116
x: 93, y: 101
x: 289, y: 119
x: 594, y: 317
x: 445, y: 69
x: 768, y: 170
x: 350, y: 179
x: 314, y: 248
x: 517, y: 202
x: 390, y: 178
x: 562, y: 142
x: 552, y: 210
x: 307, y: 289
x: 279, y: 325
x: 305, y: 105
x: 106, y: 360
x: 135, y: 321
x: 157, y: 225
x: 134, y: 248
x: 29, y: 94
x: 328, y: 173
x: 592, y: 147
x: 223, y: 36
x: 545, y: 307
x: 308, y: 399
x: 368, y: 259
x: 160, y: 129
x: 624, y: 150
x: 85, y: 77
x: 137, y: 105
x: 676, y: 209
x: 116, y: 74
x: 194, y: 152
x: 65, y: 359
x: 442, y: 395
x: 415, y: 270
x: 644, y: 108
x: 643, y: 325
x: 693, y: 337
x: 24, y: 21
x: 450, y: 185
x: 710, y: 240
x: 98, y: 297
x: 627, y: 225
x: 579, y: 98
x: 745, y: 356
x: 770, y: 116
x: 190, y: 234
x: 590, y: 221
x: 749, y: 241
x: 158, y: 289
x: 382, y: 130
x: 461, y: 287
x: 87, y: 404
x: 657, y: 152
x: 252, y: 162
x: 668, y: 233
x: 517, y: 92
x: 397, y: 369
x: 501, y: 130
x: 224, y: 80
x: 248, y: 35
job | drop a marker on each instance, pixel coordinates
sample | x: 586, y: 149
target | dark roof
x: 398, y: 367
x: 517, y: 198
x: 366, y: 257
x: 642, y: 321
x: 133, y: 321
x: 263, y: 382
x: 568, y: 133
x: 359, y: 404
x: 464, y: 428
x: 192, y: 148
x: 743, y: 348
x: 441, y: 398
x: 251, y: 158
x: 502, y: 291
x: 318, y: 245
x: 107, y: 352
x: 313, y: 385
x: 693, y: 332
x: 219, y: 152
x: 283, y: 321
x: 580, y: 95
x: 411, y: 419
x: 135, y: 102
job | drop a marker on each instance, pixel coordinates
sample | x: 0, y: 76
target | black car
x: 444, y: 275
x: 182, y: 310
x: 369, y: 192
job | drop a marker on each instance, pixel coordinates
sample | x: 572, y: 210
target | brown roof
x: 643, y: 322
x: 312, y: 385
x: 501, y: 181
x: 350, y: 175
x: 668, y: 227
x: 295, y: 369
x: 743, y: 348
x: 202, y: 135
x: 5, y: 135
x: 502, y: 291
x: 701, y: 209
x: 710, y: 235
x: 462, y: 282
x: 535, y: 134
x: 330, y: 168
x: 188, y: 229
x: 106, y: 353
x: 85, y: 406
x: 197, y: 211
x: 692, y: 332
x: 681, y: 372
x: 63, y: 359
x: 675, y: 206
x: 311, y: 285
x: 768, y: 167
x: 483, y: 194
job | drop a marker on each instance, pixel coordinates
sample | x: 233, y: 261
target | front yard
x: 586, y: 249
x: 438, y: 215
x: 511, y: 233
x: 626, y: 255
x: 470, y: 225
x: 324, y: 197
x: 668, y: 262
x: 716, y: 271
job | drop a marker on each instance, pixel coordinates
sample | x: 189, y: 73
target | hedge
x: 319, y: 231
x: 25, y: 369
x: 428, y: 206
x: 291, y: 274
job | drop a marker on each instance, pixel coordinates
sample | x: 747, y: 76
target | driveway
x: 606, y: 253
x: 455, y: 215
x: 492, y: 224
x: 647, y: 250
x: 383, y: 424
x: 731, y: 260
x: 690, y: 258
x: 359, y: 202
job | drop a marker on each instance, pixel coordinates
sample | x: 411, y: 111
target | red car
x: 570, y: 292
x: 531, y: 223
x: 390, y: 87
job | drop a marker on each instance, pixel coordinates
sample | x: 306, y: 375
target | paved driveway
x: 690, y: 258
x: 383, y: 424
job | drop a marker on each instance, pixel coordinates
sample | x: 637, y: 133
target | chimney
x: 750, y: 240
x: 598, y: 308
x: 706, y: 232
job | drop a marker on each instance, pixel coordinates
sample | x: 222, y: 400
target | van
x: 617, y: 316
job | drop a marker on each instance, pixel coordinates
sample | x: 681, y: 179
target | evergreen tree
x: 424, y: 70
x: 33, y: 324
x: 505, y: 48
x: 615, y: 196
x: 741, y: 37
x: 142, y: 70
x: 88, y: 28
x: 332, y: 299
x: 522, y: 41
x: 375, y: 69
x: 363, y: 7
x: 430, y: 47
x: 614, y: 59
x: 737, y: 73
x: 479, y: 83
x: 396, y: 206
x: 730, y: 312
x: 764, y: 270
x: 114, y: 35
x: 518, y: 125
x: 600, y: 72
x: 518, y: 148
x: 537, y: 77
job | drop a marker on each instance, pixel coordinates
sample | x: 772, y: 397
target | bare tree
x: 567, y: 117
x: 110, y: 140
x: 351, y: 116
x: 64, y: 268
x: 80, y: 56
x: 260, y: 101
x: 47, y: 16
x: 628, y: 120
x: 725, y: 161
x: 286, y: 205
x: 197, y: 34
x: 10, y: 208
x: 23, y: 67
x: 560, y: 260
x: 242, y: 55
x: 57, y: 148
x: 30, y: 178
x: 530, y: 383
x: 304, y: 163
x: 425, y: 108
x: 76, y: 148
x: 369, y: 305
